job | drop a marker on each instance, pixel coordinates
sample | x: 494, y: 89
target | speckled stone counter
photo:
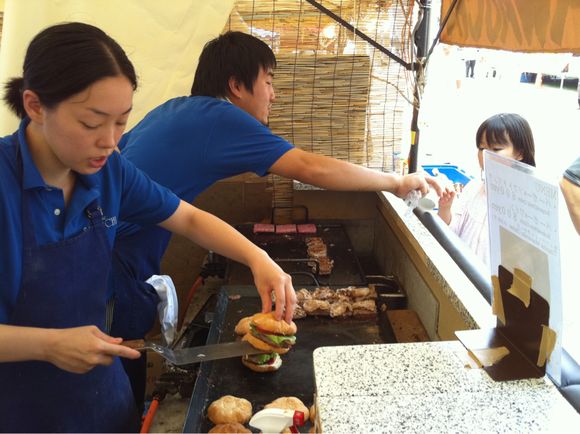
x: 425, y: 387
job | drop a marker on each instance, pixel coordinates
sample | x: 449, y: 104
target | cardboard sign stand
x: 511, y: 351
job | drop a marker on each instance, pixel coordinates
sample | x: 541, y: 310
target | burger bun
x: 267, y: 321
x: 229, y: 409
x: 229, y: 428
x: 265, y: 367
x: 243, y: 326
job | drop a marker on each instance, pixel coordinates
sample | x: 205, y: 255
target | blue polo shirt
x: 189, y: 143
x: 123, y: 192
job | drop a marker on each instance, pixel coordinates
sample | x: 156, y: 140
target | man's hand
x: 417, y: 181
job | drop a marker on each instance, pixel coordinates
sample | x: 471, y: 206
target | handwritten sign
x: 524, y: 233
x: 526, y: 206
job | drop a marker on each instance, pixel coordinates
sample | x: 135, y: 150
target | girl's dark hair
x: 233, y: 54
x: 65, y: 59
x: 505, y: 127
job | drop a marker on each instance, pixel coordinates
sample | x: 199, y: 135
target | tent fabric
x: 163, y: 39
x: 547, y: 26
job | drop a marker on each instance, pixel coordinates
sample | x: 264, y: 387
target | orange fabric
x: 515, y: 25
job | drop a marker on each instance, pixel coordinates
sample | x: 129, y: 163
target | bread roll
x: 267, y: 321
x: 229, y: 428
x: 262, y: 368
x: 290, y: 403
x: 229, y: 409
x: 243, y: 326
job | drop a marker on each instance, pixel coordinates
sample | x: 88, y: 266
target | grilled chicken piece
x: 363, y: 308
x: 340, y: 308
x: 326, y: 265
x: 317, y: 307
x: 299, y: 312
x: 324, y: 293
x: 303, y: 295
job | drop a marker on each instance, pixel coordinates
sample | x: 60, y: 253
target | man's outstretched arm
x: 333, y: 174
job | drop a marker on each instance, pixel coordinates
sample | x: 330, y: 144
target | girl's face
x: 504, y: 149
x: 82, y: 131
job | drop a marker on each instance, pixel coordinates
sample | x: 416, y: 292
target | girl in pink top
x: 507, y: 134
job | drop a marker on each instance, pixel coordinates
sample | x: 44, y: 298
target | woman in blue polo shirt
x: 62, y: 191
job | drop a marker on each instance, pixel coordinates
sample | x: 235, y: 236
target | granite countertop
x: 425, y: 387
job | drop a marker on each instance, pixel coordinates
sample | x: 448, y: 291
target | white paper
x: 524, y: 234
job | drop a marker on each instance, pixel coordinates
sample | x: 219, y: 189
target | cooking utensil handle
x: 136, y: 344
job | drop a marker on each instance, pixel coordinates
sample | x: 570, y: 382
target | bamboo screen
x: 336, y: 94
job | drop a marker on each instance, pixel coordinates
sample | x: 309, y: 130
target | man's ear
x: 33, y: 106
x: 235, y: 87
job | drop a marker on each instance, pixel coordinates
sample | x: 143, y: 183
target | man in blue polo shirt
x: 219, y: 131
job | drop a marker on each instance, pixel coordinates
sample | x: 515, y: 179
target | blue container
x: 454, y: 173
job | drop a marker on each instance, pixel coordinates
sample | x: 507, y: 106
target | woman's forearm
x: 212, y: 234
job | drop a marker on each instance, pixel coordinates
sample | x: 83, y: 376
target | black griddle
x: 290, y: 252
x: 295, y: 377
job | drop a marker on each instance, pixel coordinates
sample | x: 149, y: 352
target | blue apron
x: 136, y: 258
x: 64, y: 285
x: 136, y: 301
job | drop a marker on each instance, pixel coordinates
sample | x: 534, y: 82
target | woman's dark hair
x: 65, y: 59
x: 509, y: 127
x: 233, y: 54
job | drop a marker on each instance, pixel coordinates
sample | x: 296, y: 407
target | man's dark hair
x: 65, y: 59
x: 233, y: 54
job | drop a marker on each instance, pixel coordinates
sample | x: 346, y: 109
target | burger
x: 271, y: 335
x: 262, y: 362
x: 243, y: 326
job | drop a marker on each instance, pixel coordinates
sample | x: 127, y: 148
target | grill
x: 294, y: 378
x: 289, y: 250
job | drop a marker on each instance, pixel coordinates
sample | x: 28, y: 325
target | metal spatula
x: 202, y: 353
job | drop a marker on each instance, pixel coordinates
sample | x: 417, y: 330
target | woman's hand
x: 80, y: 349
x: 268, y: 278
